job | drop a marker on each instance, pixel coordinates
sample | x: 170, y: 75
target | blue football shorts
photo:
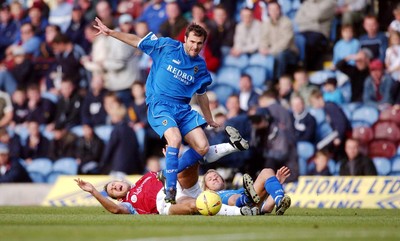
x: 226, y: 194
x: 164, y: 114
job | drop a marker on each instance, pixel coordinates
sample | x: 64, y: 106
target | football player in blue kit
x: 177, y: 73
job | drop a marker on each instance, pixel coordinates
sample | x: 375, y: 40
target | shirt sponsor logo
x: 185, y: 78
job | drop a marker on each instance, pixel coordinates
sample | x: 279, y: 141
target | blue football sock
x: 243, y: 200
x: 171, y: 166
x: 275, y: 189
x: 189, y: 158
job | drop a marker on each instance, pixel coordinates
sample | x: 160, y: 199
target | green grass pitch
x: 59, y: 224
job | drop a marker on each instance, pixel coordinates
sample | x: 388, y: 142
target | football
x: 208, y: 203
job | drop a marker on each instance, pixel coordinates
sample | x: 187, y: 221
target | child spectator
x: 346, y: 46
x: 392, y: 58
x: 320, y: 168
x: 331, y: 93
x: 395, y: 24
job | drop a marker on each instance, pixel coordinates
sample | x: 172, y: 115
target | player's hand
x: 103, y: 29
x: 214, y: 124
x: 282, y: 174
x: 85, y: 186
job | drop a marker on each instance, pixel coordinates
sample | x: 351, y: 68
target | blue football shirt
x: 174, y: 75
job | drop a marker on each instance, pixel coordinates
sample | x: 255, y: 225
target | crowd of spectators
x: 67, y: 93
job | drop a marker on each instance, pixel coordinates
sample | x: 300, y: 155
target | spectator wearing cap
x: 76, y: 29
x: 63, y: 143
x: 90, y: 149
x: 377, y: 86
x: 8, y: 29
x: 61, y: 14
x: 10, y: 168
x: 36, y: 145
x: 92, y: 106
x: 38, y: 21
x: 357, y: 73
x: 154, y: 15
x: 122, y: 63
x: 274, y: 147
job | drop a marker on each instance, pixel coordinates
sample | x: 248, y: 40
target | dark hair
x: 198, y: 31
x: 61, y: 38
x: 270, y: 93
x: 244, y: 75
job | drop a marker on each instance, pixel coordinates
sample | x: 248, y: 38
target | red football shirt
x: 143, y: 194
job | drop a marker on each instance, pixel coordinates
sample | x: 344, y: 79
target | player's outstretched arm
x: 105, y: 202
x: 127, y: 38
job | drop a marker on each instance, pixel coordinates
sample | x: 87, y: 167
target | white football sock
x: 215, y: 152
x: 227, y: 210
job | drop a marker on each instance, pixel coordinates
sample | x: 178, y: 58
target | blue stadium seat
x: 305, y: 151
x: 320, y: 77
x: 395, y: 166
x: 332, y: 167
x: 39, y: 169
x: 223, y: 91
x: 367, y: 114
x: 104, y: 132
x: 382, y: 165
x: 77, y: 130
x: 345, y: 88
x: 238, y: 62
x: 50, y: 96
x: 318, y: 114
x: 323, y: 130
x: 63, y: 166
x: 349, y: 108
x: 228, y: 75
x: 258, y: 75
x: 21, y: 131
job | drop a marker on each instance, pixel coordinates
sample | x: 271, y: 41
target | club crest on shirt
x: 164, y: 122
x: 133, y: 198
x: 196, y: 69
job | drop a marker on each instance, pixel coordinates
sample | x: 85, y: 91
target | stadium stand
x: 382, y: 165
x: 39, y: 169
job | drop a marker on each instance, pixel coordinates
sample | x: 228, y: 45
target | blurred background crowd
x: 313, y: 85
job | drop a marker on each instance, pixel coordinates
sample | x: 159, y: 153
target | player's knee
x: 267, y: 173
x: 202, y: 150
